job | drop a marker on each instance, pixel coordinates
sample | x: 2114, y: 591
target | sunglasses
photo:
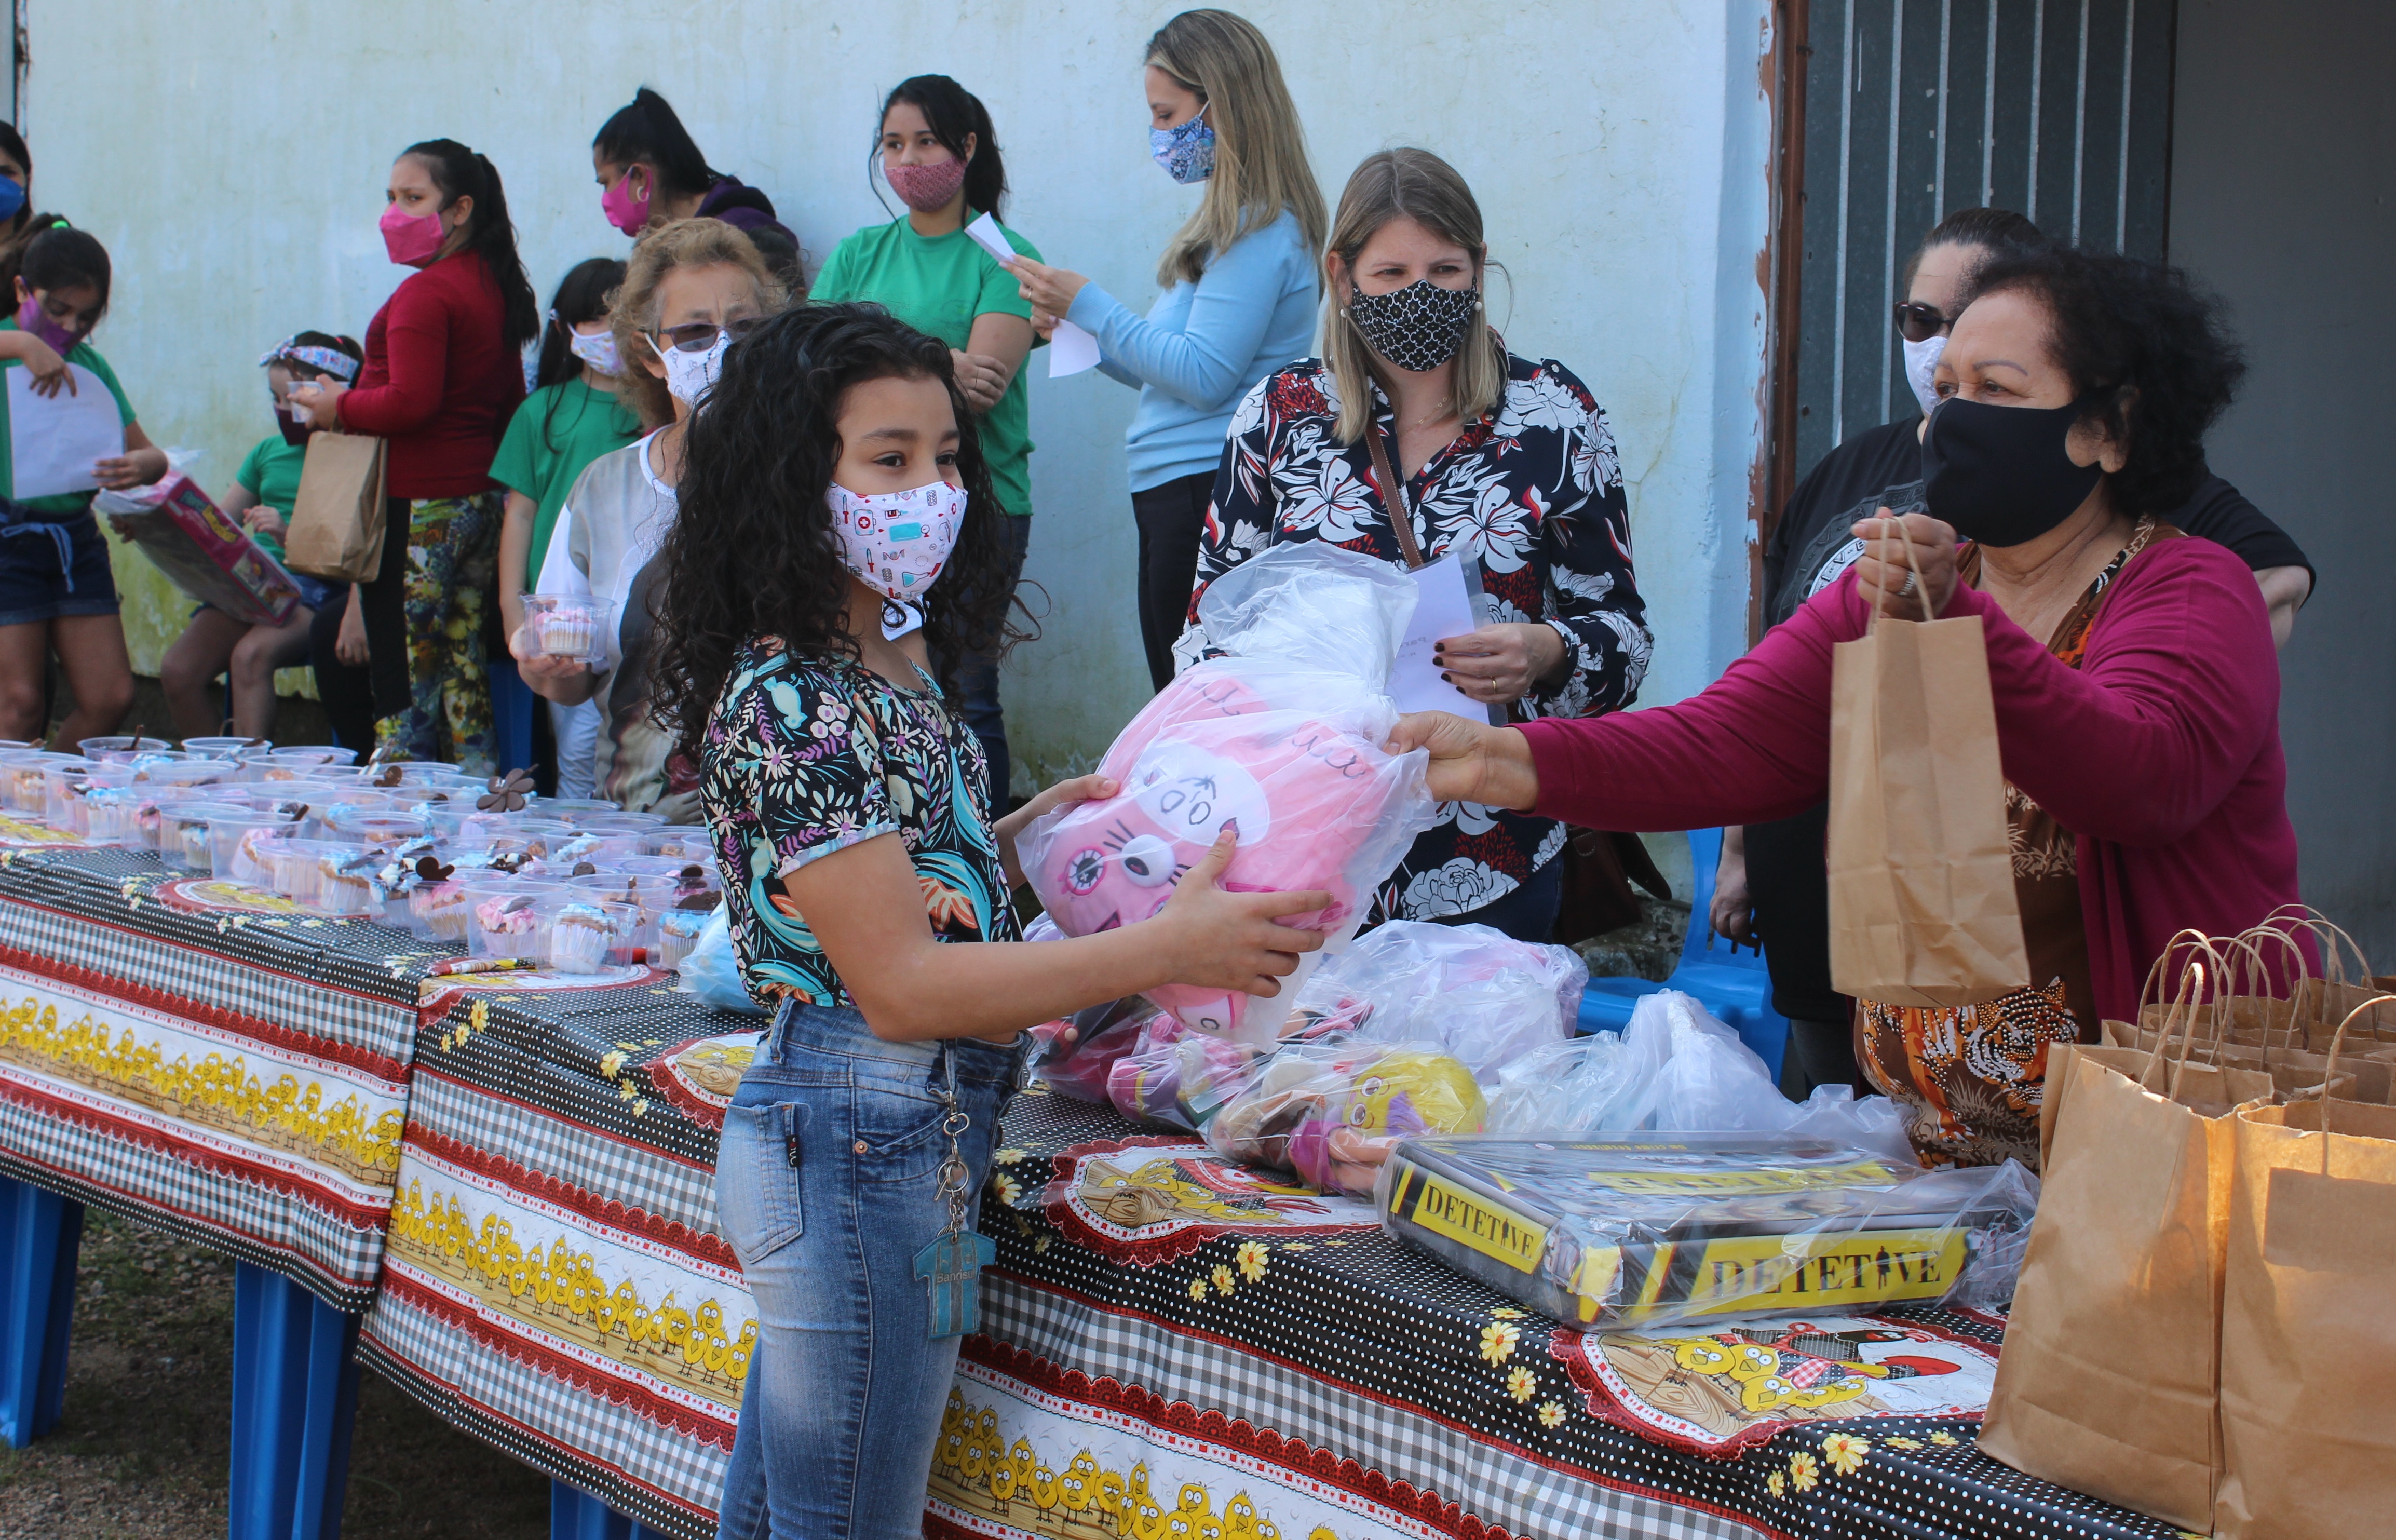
x: 700, y: 336
x: 1920, y: 322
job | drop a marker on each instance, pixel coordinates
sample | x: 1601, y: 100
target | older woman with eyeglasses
x: 691, y: 290
x: 1771, y: 885
x: 2136, y: 688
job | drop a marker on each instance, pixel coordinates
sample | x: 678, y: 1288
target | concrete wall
x: 2283, y: 198
x: 232, y: 158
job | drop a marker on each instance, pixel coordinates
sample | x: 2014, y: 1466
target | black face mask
x: 293, y: 432
x: 2000, y: 474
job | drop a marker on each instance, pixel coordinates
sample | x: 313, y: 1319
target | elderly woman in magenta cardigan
x: 2137, y: 689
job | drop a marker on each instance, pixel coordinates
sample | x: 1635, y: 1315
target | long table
x: 512, y: 1181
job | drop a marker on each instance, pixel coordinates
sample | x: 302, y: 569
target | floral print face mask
x: 1186, y: 150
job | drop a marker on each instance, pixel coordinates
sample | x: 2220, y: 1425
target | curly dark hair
x: 2149, y: 354
x: 753, y: 550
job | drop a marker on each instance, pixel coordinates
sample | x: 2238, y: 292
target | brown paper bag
x: 1921, y: 875
x: 337, y: 519
x: 2106, y: 1383
x: 2308, y: 1340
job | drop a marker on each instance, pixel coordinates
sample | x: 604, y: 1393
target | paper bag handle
x: 1913, y: 566
x: 2329, y: 1072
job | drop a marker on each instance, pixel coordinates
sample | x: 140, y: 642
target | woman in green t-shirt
x: 259, y: 499
x: 940, y: 154
x: 57, y: 589
x: 574, y: 415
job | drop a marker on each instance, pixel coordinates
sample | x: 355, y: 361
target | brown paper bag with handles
x: 2307, y: 1339
x: 1922, y: 909
x: 2106, y: 1383
x: 337, y: 519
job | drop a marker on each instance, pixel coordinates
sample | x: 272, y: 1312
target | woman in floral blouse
x: 833, y: 473
x: 1500, y: 458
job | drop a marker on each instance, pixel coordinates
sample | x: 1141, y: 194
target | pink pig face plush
x: 1305, y: 797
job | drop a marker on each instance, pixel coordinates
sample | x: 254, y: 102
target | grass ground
x: 142, y: 1451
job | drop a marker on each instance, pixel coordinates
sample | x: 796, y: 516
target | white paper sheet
x: 1443, y: 608
x: 54, y: 441
x: 1070, y: 350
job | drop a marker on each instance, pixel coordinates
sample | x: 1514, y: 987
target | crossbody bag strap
x: 1394, y: 496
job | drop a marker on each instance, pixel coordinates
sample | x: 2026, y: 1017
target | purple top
x: 2161, y: 752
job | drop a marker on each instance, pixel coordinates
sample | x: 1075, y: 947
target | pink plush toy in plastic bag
x: 1283, y: 738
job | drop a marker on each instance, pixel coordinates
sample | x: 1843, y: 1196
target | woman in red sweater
x: 2136, y: 688
x: 444, y: 373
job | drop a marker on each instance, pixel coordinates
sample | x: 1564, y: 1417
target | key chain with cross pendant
x: 951, y: 1265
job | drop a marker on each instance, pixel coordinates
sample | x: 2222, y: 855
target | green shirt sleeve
x: 515, y: 467
x: 1001, y: 293
x: 252, y: 475
x: 831, y: 285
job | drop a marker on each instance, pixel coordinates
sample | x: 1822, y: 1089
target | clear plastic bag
x: 1283, y: 738
x: 1477, y: 993
x: 712, y: 970
x: 1677, y: 1069
x: 1655, y: 1230
x: 1333, y: 1110
x: 1078, y: 1054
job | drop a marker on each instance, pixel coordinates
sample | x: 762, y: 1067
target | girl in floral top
x: 832, y: 471
x: 1508, y: 461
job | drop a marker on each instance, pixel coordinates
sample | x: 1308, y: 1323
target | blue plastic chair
x: 513, y: 704
x: 1729, y: 979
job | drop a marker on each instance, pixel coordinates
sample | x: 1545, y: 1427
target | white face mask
x: 1922, y: 368
x: 689, y: 375
x: 595, y: 349
x: 897, y: 541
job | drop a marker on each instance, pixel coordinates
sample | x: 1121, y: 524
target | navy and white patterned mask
x: 1186, y: 150
x: 1417, y: 327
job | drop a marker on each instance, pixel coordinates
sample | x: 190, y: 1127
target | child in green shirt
x: 57, y: 590
x: 261, y: 498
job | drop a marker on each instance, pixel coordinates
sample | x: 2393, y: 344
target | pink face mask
x: 31, y: 318
x: 626, y: 212
x: 925, y: 189
x: 412, y: 239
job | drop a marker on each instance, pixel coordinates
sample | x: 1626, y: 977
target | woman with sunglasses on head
x: 939, y: 152
x: 650, y: 173
x: 1771, y: 885
x: 691, y: 289
x: 443, y: 372
x: 1241, y: 288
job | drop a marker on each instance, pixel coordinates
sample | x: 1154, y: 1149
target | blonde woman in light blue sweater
x: 1241, y: 283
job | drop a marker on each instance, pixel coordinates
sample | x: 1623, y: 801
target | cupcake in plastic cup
x: 570, y: 625
x: 677, y: 929
x: 344, y: 881
x: 112, y: 815
x: 504, y: 919
x: 239, y: 845
x: 586, y: 934
x: 183, y: 833
x: 64, y: 782
x: 25, y: 780
x: 681, y: 841
x: 108, y: 750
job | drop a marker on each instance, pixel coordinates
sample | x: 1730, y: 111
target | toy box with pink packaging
x: 203, y: 552
x: 1281, y: 736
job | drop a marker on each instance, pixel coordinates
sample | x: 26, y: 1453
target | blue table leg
x: 576, y: 1515
x: 295, y: 1395
x: 40, y: 1233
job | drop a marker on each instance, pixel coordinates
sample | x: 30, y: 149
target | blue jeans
x: 826, y: 1183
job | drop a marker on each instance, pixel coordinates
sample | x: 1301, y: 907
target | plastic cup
x: 223, y: 748
x: 585, y: 934
x: 65, y: 781
x: 570, y: 625
x: 107, y: 749
x: 681, y: 841
x: 506, y: 920
x: 238, y: 846
x: 183, y: 833
x: 675, y: 932
x: 113, y: 815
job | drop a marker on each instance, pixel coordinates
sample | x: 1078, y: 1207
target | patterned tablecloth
x: 1175, y: 1347
x: 204, y: 1058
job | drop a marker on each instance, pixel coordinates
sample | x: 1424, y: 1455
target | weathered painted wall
x: 232, y: 157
